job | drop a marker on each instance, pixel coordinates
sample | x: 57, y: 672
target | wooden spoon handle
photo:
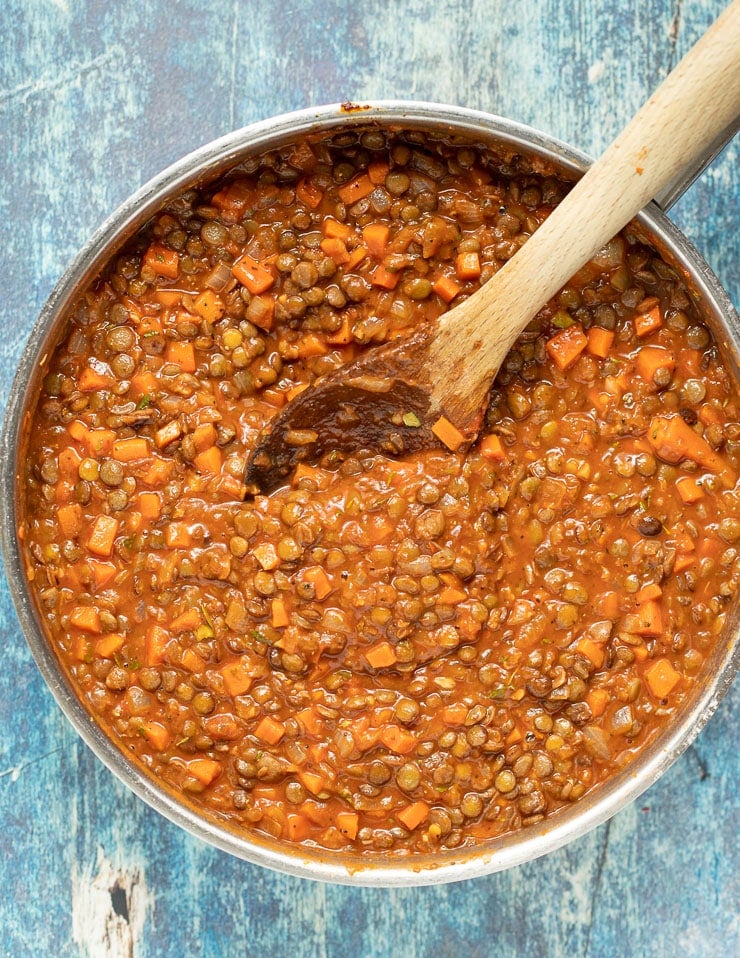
x: 698, y: 100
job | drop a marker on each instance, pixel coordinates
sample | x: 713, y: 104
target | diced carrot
x: 683, y: 540
x: 155, y: 645
x: 398, y: 739
x: 448, y: 434
x: 159, y: 472
x: 187, y: 621
x: 446, y: 288
x: 709, y: 415
x: 348, y: 824
x: 342, y: 337
x: 256, y: 277
x: 648, y: 319
x: 649, y: 592
x: 381, y: 655
x: 413, y: 815
x: 150, y: 505
x: 181, y: 354
x: 312, y: 781
x: 177, y: 535
x: 192, y: 661
x: 275, y: 397
x: 606, y: 604
x: 237, y: 678
x: 235, y: 198
x: 311, y: 345
x: 683, y: 563
x: 310, y: 720
x: 86, y: 619
x: 376, y: 236
x: 128, y: 450
x: 103, y: 572
x: 377, y: 171
x: 689, y: 489
x: 319, y: 579
x: 295, y: 391
x: 156, y: 734
x: 278, y: 614
x: 649, y: 619
x: 102, y: 536
x: 357, y: 255
x: 673, y: 440
x: 162, y: 261
x: 69, y: 463
x: 168, y: 297
x: 467, y: 265
x: 204, y: 436
x: 209, y: 461
x: 452, y: 596
x: 149, y: 327
x: 514, y: 737
x: 356, y: 189
x: 99, y: 442
x: 333, y: 229
x: 384, y: 278
x: 652, y: 358
x: 565, y: 347
x: 592, y: 650
x: 90, y: 380
x: 309, y: 194
x: 209, y: 305
x: 600, y: 341
x: 297, y: 827
x: 269, y: 730
x: 70, y: 520
x: 335, y: 249
x: 455, y: 714
x: 107, y: 647
x: 491, y: 447
x: 143, y: 384
x: 597, y: 700
x: 206, y: 770
x: 662, y: 678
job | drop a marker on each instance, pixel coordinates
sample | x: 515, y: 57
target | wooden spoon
x: 389, y: 400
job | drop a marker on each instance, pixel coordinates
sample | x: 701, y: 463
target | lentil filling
x: 382, y: 655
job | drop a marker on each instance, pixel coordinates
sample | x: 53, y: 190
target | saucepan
x: 200, y: 167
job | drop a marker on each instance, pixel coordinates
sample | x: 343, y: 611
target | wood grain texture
x: 95, y: 97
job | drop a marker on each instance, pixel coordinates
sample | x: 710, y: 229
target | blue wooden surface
x: 95, y: 97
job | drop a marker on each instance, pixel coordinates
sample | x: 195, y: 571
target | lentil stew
x: 390, y: 656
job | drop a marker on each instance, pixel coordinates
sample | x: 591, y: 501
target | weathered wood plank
x: 94, y: 99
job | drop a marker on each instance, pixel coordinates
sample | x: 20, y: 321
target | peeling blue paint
x: 95, y: 98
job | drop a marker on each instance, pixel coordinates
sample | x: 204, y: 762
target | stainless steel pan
x: 201, y: 166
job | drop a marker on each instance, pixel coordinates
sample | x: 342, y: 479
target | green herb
x: 134, y: 665
x: 412, y: 420
x: 144, y: 402
x: 499, y: 692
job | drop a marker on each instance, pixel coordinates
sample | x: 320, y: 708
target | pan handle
x: 674, y: 191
